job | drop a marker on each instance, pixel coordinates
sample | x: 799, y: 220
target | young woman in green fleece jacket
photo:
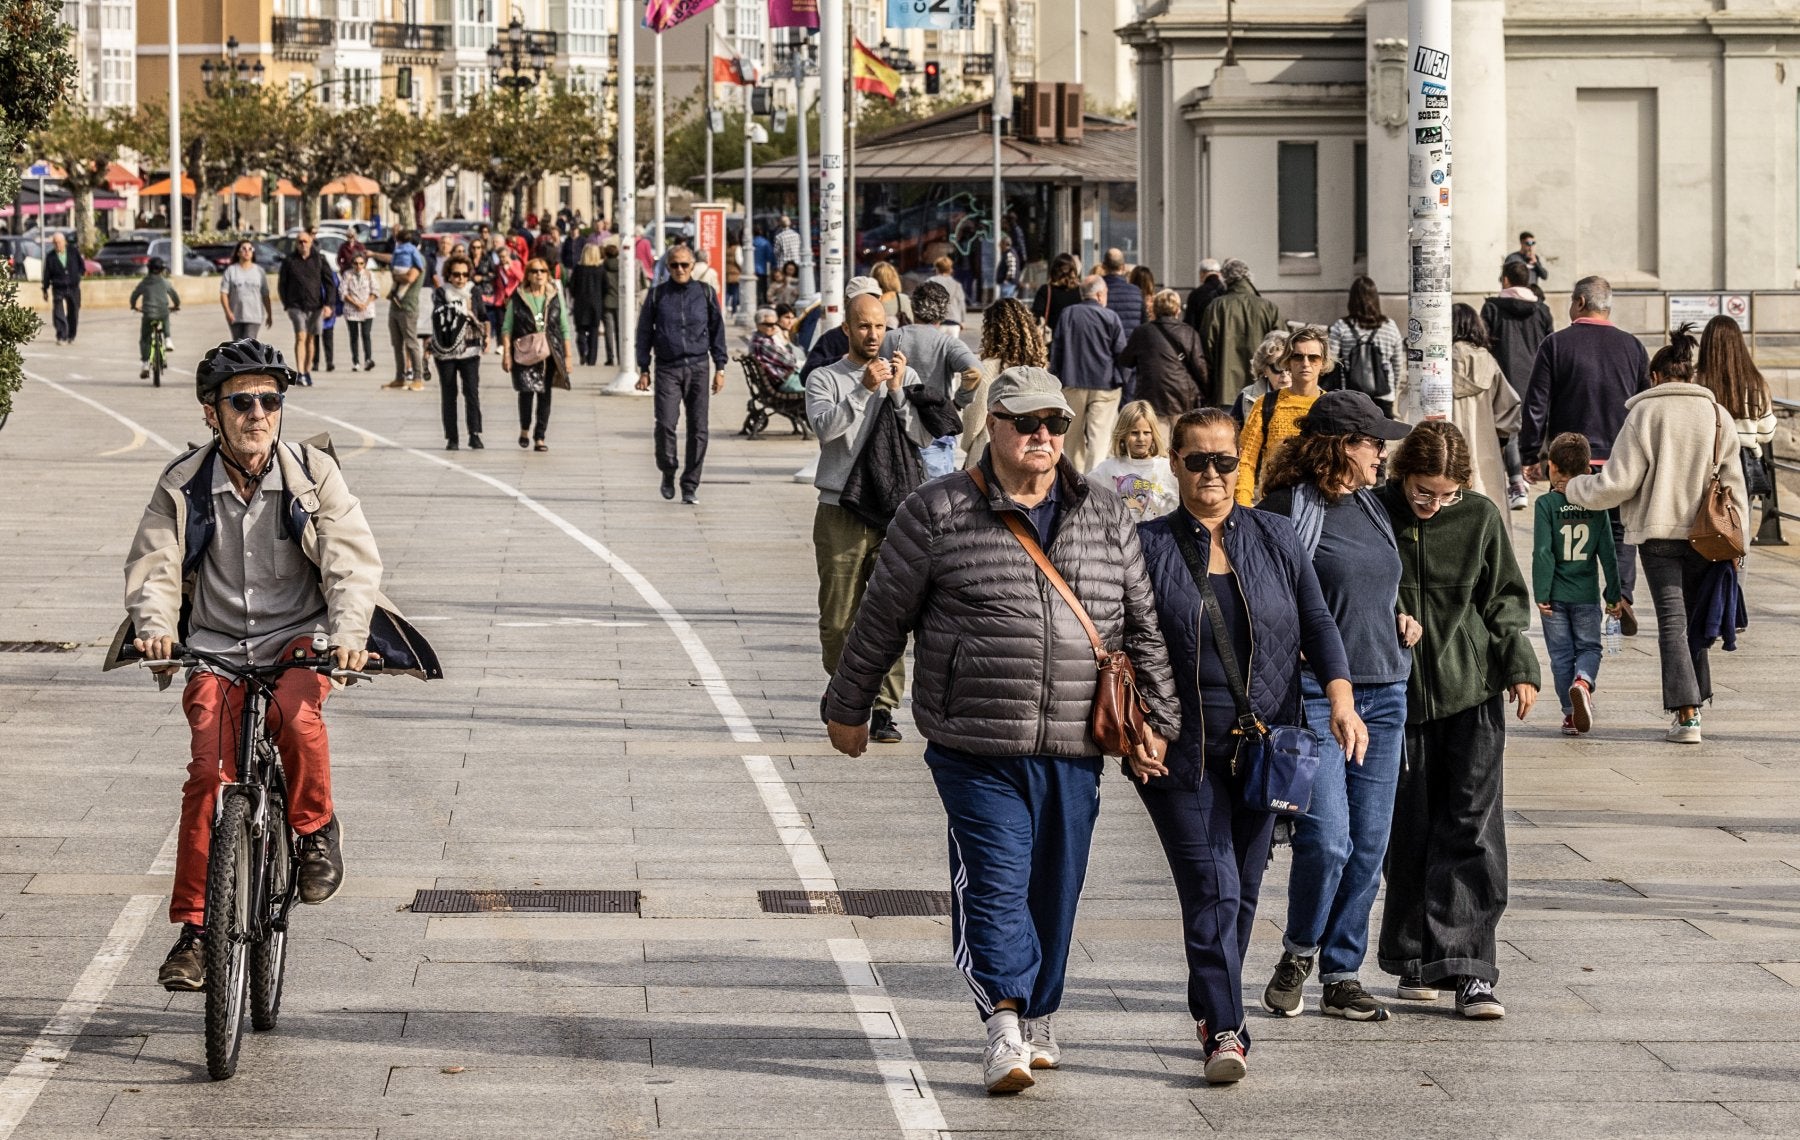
x: 1446, y: 862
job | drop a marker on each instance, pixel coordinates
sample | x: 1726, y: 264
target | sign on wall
x: 709, y: 240
x: 1698, y: 308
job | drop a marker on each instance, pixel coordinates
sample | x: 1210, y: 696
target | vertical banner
x: 1428, y: 199
x: 709, y: 239
x: 661, y: 15
x: 932, y: 15
x: 793, y: 13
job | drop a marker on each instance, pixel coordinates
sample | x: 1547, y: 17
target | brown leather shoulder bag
x: 1718, y: 531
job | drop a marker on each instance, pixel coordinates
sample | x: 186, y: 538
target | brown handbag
x: 1119, y: 720
x: 1718, y: 531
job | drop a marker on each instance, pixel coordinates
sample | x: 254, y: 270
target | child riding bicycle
x: 250, y: 547
x: 156, y: 298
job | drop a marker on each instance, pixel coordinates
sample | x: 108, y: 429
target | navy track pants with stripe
x: 1020, y: 828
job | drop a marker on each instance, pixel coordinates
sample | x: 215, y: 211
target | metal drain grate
x: 863, y: 903
x: 530, y: 901
x: 39, y: 646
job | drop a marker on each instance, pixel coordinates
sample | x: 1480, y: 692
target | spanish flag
x: 869, y: 72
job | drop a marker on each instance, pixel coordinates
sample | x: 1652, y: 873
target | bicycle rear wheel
x: 268, y: 957
x: 156, y: 369
x: 230, y: 888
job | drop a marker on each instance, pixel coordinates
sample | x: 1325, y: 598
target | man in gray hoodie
x: 841, y: 401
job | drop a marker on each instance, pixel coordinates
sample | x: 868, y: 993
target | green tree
x: 404, y: 154
x: 514, y: 140
x: 82, y: 143
x: 36, y: 73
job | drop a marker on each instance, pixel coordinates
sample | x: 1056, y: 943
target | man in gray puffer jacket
x: 1003, y: 690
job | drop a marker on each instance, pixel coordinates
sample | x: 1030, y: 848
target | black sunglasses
x: 242, y: 402
x: 681, y: 265
x: 457, y: 276
x: 1221, y: 461
x: 1028, y: 425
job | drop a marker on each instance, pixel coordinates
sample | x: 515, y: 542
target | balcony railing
x: 410, y: 37
x: 978, y: 63
x: 540, y: 41
x: 300, y: 32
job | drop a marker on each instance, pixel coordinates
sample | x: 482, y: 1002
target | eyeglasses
x: 457, y: 276
x: 242, y: 402
x: 1427, y: 499
x: 1531, y: 243
x: 537, y: 271
x: 765, y: 324
x: 1221, y: 461
x: 681, y: 265
x: 1366, y: 441
x: 1028, y: 425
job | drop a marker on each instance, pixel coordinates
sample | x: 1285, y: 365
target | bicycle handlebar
x: 187, y: 657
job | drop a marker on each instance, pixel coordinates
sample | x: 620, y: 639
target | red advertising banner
x: 709, y: 239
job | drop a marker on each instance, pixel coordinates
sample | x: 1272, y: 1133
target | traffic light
x: 931, y: 77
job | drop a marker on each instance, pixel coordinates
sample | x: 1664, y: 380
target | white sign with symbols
x: 1698, y: 308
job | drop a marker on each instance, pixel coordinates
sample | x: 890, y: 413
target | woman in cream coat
x: 1675, y: 436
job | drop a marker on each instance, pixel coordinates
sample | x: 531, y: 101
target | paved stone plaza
x: 631, y: 702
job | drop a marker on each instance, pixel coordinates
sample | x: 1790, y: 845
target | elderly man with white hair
x: 1089, y: 339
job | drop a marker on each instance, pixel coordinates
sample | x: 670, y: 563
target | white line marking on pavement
x: 909, y: 1093
x: 98, y: 406
x: 43, y: 1059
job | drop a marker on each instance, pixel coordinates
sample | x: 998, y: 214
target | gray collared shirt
x: 256, y: 590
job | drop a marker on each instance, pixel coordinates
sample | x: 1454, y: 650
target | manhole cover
x: 863, y: 903
x: 39, y: 646
x: 533, y: 901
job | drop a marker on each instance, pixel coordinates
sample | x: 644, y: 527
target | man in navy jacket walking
x: 681, y: 327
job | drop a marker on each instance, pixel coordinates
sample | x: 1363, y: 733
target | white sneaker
x: 1227, y: 1063
x: 1684, y: 731
x: 1006, y: 1065
x: 1040, y: 1042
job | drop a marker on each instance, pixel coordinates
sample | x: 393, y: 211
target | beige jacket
x: 1674, y: 437
x: 336, y: 538
x: 1484, y: 408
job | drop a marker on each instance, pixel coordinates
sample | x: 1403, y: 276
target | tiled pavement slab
x: 1649, y: 958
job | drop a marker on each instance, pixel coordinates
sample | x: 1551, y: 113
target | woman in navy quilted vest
x: 1272, y: 612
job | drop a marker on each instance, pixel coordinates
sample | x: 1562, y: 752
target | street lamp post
x: 508, y: 68
x: 175, y: 258
x: 798, y: 61
x: 625, y: 213
x: 232, y: 74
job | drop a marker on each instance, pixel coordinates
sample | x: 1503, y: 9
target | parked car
x: 192, y: 263
x: 131, y: 258
x: 223, y: 253
x: 23, y: 257
x: 327, y: 241
x: 461, y: 227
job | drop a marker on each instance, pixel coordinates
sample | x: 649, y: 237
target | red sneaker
x: 1581, y: 700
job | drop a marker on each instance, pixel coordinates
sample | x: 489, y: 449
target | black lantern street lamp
x: 508, y: 66
x: 230, y: 69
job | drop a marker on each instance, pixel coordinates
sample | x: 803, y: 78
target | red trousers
x: 214, y: 707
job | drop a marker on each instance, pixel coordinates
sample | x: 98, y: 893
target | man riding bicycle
x: 250, y: 548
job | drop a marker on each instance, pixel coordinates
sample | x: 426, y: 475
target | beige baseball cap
x: 1024, y: 389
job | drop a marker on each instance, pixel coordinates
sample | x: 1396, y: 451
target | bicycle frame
x: 258, y: 773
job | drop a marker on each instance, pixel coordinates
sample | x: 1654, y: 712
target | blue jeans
x: 1339, y: 844
x: 939, y: 456
x: 1572, y: 635
x: 1020, y: 828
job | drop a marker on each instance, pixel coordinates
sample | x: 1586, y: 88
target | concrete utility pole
x: 625, y: 213
x: 177, y: 263
x: 831, y: 160
x: 1428, y: 199
x: 1002, y: 110
x: 808, y: 289
x: 662, y: 191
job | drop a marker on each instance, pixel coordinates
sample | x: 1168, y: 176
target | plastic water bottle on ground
x: 1611, y: 640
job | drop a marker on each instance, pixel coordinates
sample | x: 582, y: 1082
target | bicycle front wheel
x: 230, y: 891
x: 268, y: 957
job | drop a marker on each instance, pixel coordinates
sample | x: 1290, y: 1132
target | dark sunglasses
x: 1028, y: 425
x: 242, y: 402
x: 681, y: 265
x: 457, y: 276
x: 1221, y: 461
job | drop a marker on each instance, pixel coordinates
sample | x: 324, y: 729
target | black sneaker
x: 1475, y: 999
x: 690, y: 497
x: 184, y: 970
x: 1349, y: 1000
x: 475, y: 443
x: 322, y: 862
x: 1283, y: 995
x: 1413, y: 988
x: 882, y: 729
x: 668, y: 485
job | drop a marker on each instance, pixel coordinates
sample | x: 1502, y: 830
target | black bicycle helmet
x: 239, y: 358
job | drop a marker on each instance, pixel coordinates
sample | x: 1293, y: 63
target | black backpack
x: 1366, y: 370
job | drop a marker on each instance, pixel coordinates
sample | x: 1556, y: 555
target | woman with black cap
x: 1320, y: 481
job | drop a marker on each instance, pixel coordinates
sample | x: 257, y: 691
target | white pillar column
x: 832, y: 43
x: 1428, y: 184
x: 625, y: 211
x: 1478, y: 44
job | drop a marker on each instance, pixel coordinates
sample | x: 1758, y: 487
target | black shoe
x: 668, y: 485
x: 882, y: 729
x: 450, y: 445
x: 690, y: 497
x: 330, y: 367
x: 184, y: 970
x: 1413, y: 988
x: 475, y: 443
x: 322, y: 862
x: 1349, y: 1000
x: 1284, y: 996
x: 1475, y: 999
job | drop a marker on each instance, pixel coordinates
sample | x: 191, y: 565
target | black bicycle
x: 252, y: 873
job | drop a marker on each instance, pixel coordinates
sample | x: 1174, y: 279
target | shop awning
x: 160, y: 188
x: 354, y: 185
x: 120, y: 178
x: 251, y: 186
